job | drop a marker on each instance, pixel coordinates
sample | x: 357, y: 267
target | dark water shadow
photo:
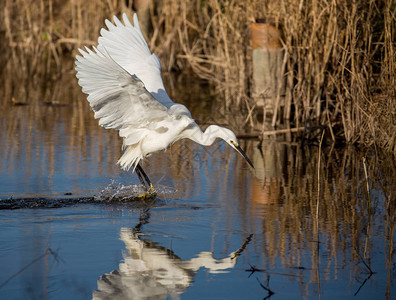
x: 41, y: 202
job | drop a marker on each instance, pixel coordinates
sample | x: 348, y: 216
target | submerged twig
x: 367, y: 182
x: 368, y: 208
x: 47, y: 251
x: 370, y: 273
x: 317, y: 213
x: 270, y: 292
x: 254, y: 269
x: 363, y: 283
x: 317, y: 203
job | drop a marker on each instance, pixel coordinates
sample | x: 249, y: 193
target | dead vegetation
x: 339, y: 58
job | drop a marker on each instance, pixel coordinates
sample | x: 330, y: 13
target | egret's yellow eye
x: 234, y: 143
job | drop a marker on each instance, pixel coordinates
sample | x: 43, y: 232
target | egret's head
x: 232, y: 140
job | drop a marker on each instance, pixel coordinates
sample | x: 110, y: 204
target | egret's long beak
x: 239, y: 149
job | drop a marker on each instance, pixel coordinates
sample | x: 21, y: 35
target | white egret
x: 125, y: 90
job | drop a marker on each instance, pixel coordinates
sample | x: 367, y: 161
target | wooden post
x: 268, y: 77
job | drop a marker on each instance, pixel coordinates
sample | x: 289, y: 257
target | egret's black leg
x: 140, y: 170
x: 141, y: 173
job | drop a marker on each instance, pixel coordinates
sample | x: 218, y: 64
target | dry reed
x: 339, y: 61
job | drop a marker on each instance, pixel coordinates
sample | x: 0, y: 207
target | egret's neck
x: 205, y: 138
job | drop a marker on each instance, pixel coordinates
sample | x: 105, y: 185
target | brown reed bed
x: 339, y: 56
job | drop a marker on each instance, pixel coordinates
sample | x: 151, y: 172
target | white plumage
x: 125, y: 90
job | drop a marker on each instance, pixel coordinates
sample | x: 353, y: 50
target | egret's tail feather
x: 130, y: 158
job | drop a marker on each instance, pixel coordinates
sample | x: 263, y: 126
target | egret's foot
x: 149, y: 194
x: 152, y: 190
x: 144, y: 196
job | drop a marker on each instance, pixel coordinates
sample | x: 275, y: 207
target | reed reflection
x: 52, y: 136
x: 316, y: 218
x: 326, y: 219
x: 311, y: 219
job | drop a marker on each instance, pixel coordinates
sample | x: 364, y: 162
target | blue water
x: 210, y: 205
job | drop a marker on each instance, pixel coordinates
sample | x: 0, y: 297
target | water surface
x: 296, y: 227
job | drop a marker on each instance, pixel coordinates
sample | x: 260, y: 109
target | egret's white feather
x: 121, y: 102
x: 125, y: 90
x: 127, y: 46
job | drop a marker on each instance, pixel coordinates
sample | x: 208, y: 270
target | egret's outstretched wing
x: 118, y: 99
x: 126, y: 45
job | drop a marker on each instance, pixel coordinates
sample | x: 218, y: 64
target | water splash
x: 113, y: 193
x: 118, y: 192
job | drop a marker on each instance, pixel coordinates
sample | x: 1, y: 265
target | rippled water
x: 292, y: 228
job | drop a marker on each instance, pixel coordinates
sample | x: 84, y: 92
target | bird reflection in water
x: 152, y: 271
